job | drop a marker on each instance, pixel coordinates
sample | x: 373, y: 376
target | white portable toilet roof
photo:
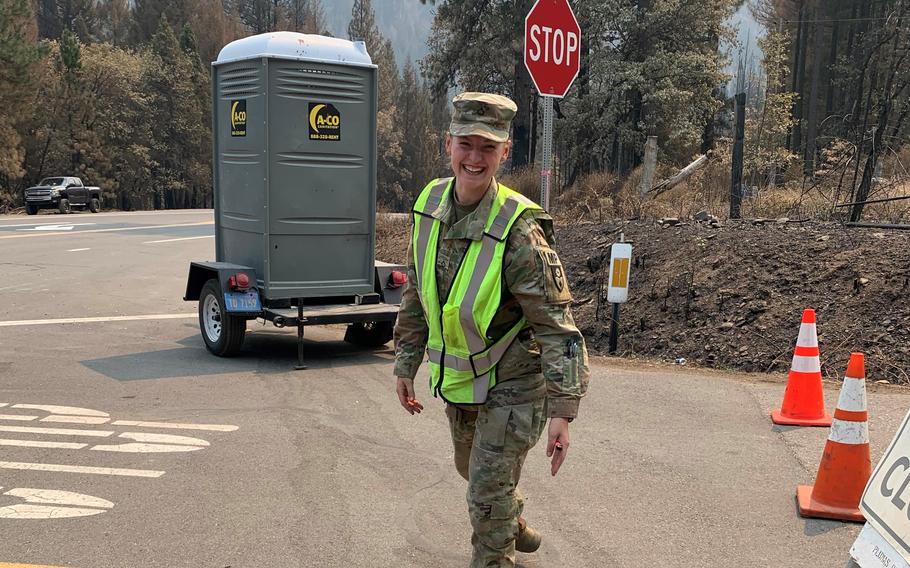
x: 292, y: 45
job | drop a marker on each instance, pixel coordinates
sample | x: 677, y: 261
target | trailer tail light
x: 239, y: 281
x: 397, y: 279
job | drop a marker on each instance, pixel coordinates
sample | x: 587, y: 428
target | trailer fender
x: 202, y: 272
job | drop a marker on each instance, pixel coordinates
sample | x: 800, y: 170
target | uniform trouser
x: 490, y: 448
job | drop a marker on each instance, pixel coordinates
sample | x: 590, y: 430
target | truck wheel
x: 94, y: 205
x: 31, y: 209
x: 369, y: 334
x: 64, y: 206
x: 222, y: 332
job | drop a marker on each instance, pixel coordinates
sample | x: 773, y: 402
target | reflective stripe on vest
x: 462, y: 358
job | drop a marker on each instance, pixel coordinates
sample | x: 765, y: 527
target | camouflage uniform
x: 543, y: 374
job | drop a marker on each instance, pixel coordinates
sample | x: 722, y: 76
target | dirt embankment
x: 731, y: 296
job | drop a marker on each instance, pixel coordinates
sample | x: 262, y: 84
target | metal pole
x: 736, y: 183
x: 300, y: 363
x: 614, y: 329
x: 547, y: 153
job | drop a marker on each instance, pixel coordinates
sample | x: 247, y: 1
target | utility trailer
x: 294, y: 136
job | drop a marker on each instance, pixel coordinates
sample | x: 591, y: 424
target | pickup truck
x: 64, y: 194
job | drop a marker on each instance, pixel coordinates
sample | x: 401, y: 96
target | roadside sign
x: 620, y: 264
x: 871, y: 550
x: 886, y: 500
x: 552, y: 55
x: 552, y: 47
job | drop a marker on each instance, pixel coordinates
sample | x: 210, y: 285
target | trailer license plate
x: 242, y: 301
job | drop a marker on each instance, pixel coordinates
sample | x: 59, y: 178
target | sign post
x: 552, y: 56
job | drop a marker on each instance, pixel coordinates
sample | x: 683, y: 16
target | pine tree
x: 114, y: 21
x: 389, y: 136
x: 174, y: 108
x: 19, y: 58
x: 306, y: 16
x: 476, y: 44
x: 77, y: 16
x: 420, y: 148
x: 147, y: 16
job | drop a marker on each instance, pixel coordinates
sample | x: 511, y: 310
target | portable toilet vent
x: 295, y: 163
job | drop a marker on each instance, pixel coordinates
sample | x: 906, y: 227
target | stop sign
x: 552, y: 46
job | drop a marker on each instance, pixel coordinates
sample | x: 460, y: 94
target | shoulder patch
x: 557, y: 288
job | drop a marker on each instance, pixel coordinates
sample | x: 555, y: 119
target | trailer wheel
x: 222, y: 332
x: 64, y: 206
x: 94, y: 205
x: 369, y: 334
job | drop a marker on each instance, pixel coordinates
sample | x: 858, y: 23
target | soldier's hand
x: 405, y: 389
x: 557, y: 443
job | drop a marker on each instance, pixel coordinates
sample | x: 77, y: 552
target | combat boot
x: 527, y: 539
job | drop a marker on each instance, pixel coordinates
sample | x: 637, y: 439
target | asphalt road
x: 145, y: 450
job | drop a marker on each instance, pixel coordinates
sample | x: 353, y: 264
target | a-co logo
x: 325, y: 122
x: 238, y: 118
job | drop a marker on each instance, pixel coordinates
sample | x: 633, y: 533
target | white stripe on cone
x: 846, y: 432
x: 852, y: 395
x: 807, y: 335
x: 804, y: 364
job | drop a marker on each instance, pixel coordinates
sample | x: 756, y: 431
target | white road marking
x: 20, y: 417
x: 76, y: 419
x: 56, y: 431
x: 69, y: 410
x: 53, y: 227
x: 78, y: 250
x: 52, y: 504
x: 163, y: 439
x: 54, y: 497
x: 26, y: 511
x: 81, y: 469
x: 211, y: 427
x: 139, y: 448
x: 111, y: 230
x: 97, y: 319
x: 49, y: 224
x: 2, y: 404
x: 154, y: 443
x: 37, y: 444
x: 180, y: 239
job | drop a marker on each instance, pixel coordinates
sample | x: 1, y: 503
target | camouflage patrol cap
x: 482, y: 114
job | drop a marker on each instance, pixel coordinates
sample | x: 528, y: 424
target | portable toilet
x: 294, y: 135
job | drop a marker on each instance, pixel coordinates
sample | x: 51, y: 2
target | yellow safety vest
x: 462, y: 356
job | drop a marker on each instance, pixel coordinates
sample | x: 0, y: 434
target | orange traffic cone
x: 804, y: 399
x: 846, y: 466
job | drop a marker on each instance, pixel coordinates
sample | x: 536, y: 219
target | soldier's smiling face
x: 475, y: 160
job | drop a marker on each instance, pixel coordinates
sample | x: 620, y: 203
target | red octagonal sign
x: 552, y: 46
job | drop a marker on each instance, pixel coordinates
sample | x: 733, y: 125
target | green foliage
x: 19, y: 57
x: 70, y: 52
x: 767, y: 127
x: 126, y: 105
x: 653, y: 70
x: 420, y: 160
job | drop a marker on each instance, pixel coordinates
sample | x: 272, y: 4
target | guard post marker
x: 846, y: 466
x: 804, y: 399
x: 618, y: 284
